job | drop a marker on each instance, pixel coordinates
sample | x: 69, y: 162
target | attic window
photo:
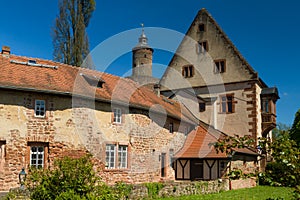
x: 93, y: 80
x: 201, y: 27
x: 188, y: 71
x: 202, y: 47
x: 201, y: 107
x: 32, y: 62
x: 220, y: 66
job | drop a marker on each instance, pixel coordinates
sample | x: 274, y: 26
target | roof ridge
x: 228, y: 40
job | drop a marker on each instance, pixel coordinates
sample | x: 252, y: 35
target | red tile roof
x: 53, y: 77
x: 199, y: 144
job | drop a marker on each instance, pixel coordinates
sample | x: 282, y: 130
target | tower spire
x: 142, y: 59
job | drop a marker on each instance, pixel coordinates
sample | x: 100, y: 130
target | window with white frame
x: 37, y: 154
x: 110, y: 156
x: 122, y: 156
x: 117, y: 118
x: 116, y: 156
x: 39, y: 108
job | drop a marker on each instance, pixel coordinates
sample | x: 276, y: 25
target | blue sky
x: 265, y: 32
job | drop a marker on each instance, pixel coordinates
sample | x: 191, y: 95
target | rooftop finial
x: 142, y: 25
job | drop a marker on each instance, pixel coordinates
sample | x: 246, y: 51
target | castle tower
x: 142, y: 58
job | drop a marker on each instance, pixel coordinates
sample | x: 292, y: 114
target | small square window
x: 117, y: 118
x: 201, y: 107
x: 39, y: 108
x: 220, y: 66
x: 201, y: 27
x: 188, y: 71
x: 203, y: 46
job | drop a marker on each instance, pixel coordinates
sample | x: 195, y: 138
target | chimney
x: 157, y: 89
x: 6, y: 50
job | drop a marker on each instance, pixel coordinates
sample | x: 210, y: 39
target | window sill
x: 116, y: 170
x: 40, y: 117
x: 225, y: 112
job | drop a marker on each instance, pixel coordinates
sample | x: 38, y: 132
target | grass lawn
x: 259, y: 192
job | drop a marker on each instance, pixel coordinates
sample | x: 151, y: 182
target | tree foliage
x: 295, y: 130
x: 285, y: 169
x: 228, y: 143
x: 70, y: 39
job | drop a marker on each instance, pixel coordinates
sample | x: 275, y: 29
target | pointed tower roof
x: 143, y: 41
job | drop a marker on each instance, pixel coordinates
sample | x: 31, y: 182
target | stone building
x: 49, y: 110
x: 210, y: 76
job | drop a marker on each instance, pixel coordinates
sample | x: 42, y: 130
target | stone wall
x: 243, y: 183
x: 176, y: 189
x: 73, y: 127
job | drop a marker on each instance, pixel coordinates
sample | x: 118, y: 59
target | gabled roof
x: 200, y: 144
x: 248, y: 67
x: 204, y: 11
x: 38, y: 75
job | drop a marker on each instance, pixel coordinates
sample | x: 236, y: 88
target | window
x: 116, y: 159
x: 2, y: 150
x: 227, y: 103
x: 203, y: 46
x: 39, y: 109
x: 110, y: 156
x: 265, y: 106
x: 37, y: 154
x: 201, y: 107
x: 122, y: 156
x: 171, y: 127
x: 220, y: 66
x: 201, y: 27
x: 188, y: 71
x: 117, y: 118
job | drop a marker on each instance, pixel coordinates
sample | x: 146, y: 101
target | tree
x: 280, y: 128
x: 295, y: 130
x: 70, y: 39
x: 286, y: 162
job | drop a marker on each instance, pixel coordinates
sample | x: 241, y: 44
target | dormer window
x: 188, y: 71
x: 93, y: 80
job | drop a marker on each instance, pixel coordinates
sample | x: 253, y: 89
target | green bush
x: 153, y: 189
x: 285, y: 170
x: 72, y: 179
